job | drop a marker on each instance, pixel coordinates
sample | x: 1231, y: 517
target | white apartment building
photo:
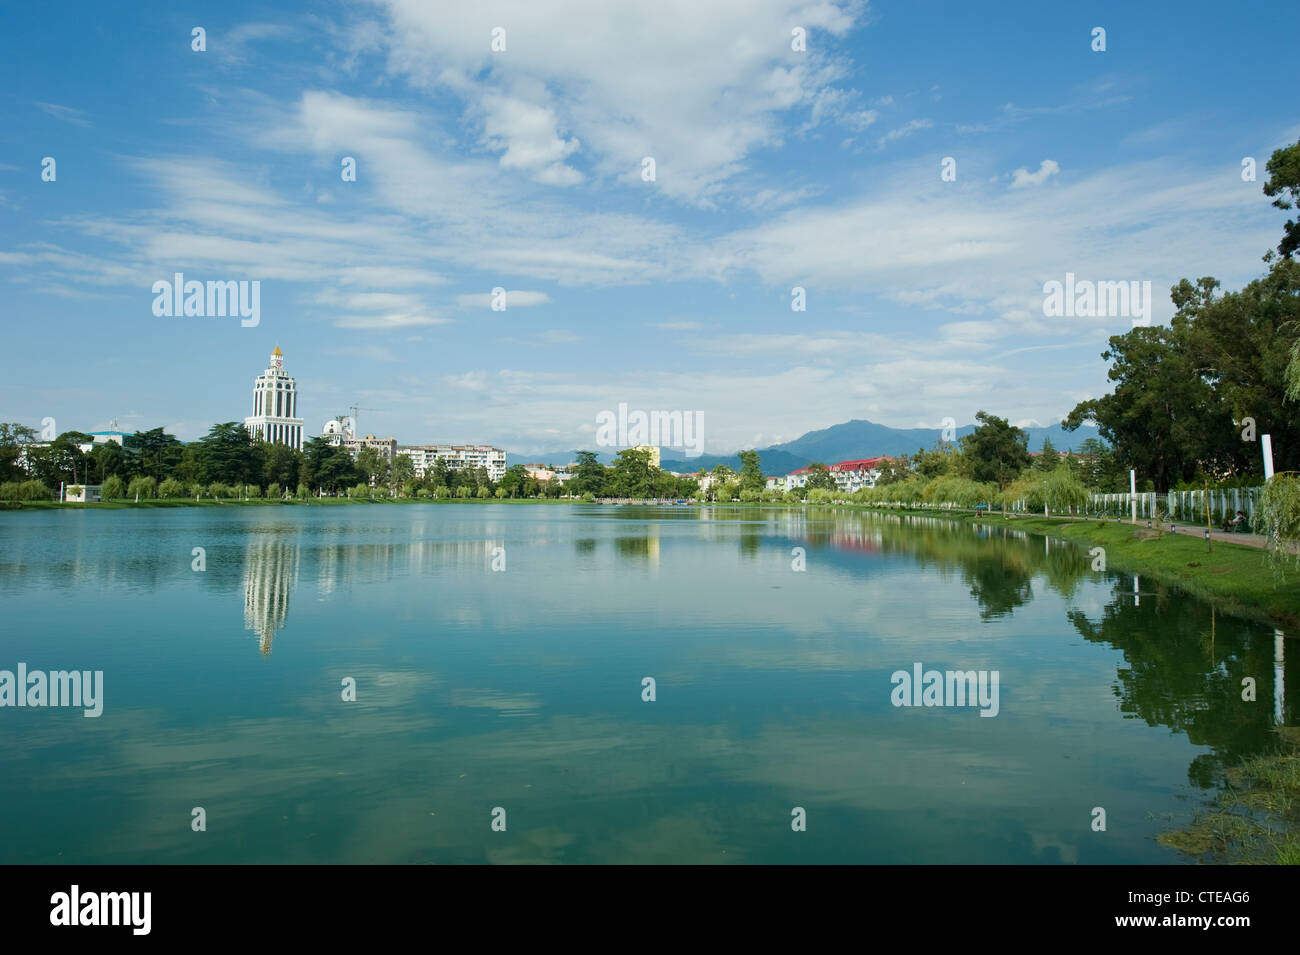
x: 458, y: 456
x: 275, y: 406
x: 852, y: 476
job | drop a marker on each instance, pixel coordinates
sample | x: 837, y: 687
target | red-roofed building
x: 852, y: 476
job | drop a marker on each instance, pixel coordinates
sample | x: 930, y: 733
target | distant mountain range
x: 841, y: 442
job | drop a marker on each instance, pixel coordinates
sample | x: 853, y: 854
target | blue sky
x: 522, y: 170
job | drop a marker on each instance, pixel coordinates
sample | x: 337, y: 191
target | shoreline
x: 1238, y: 578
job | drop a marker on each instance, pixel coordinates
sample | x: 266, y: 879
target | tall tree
x: 329, y: 466
x: 228, y: 456
x: 14, y: 437
x: 1163, y: 418
x: 751, y: 471
x: 1048, y: 459
x: 1283, y: 186
x: 633, y: 474
x: 821, y: 477
x: 996, y: 450
x: 1239, y: 344
x: 153, y: 453
x: 589, y: 475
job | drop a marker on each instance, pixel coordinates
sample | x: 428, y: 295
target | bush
x: 274, y: 490
x: 587, y: 496
x: 113, y: 489
x: 482, y: 493
x: 957, y: 491
x: 303, y: 492
x: 25, y: 491
x: 171, y: 488
x: 142, y: 487
x: 1277, y: 515
x: 749, y: 495
x: 820, y: 495
x: 216, y: 490
x: 361, y: 491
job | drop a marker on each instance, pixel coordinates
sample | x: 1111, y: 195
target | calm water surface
x: 522, y: 689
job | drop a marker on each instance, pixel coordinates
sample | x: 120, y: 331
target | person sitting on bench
x: 1236, y: 523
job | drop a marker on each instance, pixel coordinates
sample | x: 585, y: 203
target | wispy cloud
x: 65, y: 113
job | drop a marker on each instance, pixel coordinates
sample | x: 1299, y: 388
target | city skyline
x: 776, y: 169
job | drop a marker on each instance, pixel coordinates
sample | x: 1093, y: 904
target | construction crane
x: 356, y: 428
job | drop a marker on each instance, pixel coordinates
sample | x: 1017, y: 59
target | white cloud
x: 513, y: 299
x: 905, y: 130
x: 699, y: 86
x: 1023, y: 177
x: 529, y: 138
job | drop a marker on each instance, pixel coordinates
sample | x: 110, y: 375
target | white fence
x: 1186, y: 506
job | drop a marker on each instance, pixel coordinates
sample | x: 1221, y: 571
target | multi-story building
x: 849, y: 476
x: 852, y: 476
x: 458, y: 456
x: 339, y: 432
x: 275, y: 406
x: 797, y: 478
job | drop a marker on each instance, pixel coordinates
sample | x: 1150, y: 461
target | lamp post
x: 1133, y: 492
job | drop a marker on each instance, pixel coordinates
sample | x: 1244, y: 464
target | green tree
x: 113, y: 488
x: 1048, y: 459
x: 329, y: 466
x: 1283, y: 186
x: 227, y: 455
x: 996, y: 450
x: 401, y: 471
x: 14, y: 437
x: 633, y: 474
x: 61, y: 461
x: 105, y: 460
x: 373, y: 465
x: 282, y: 465
x: 153, y: 453
x: 1240, y: 345
x: 940, y: 460
x: 590, y: 476
x: 820, y: 478
x: 751, y: 471
x: 515, y: 481
x: 891, y: 471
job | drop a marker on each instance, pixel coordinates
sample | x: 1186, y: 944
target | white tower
x: 275, y: 406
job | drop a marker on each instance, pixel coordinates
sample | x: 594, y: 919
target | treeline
x: 156, y: 464
x: 1191, y: 400
x: 228, y: 462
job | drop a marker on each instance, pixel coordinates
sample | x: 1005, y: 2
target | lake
x: 499, y: 654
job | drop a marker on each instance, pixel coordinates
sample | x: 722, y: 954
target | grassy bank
x: 1237, y: 579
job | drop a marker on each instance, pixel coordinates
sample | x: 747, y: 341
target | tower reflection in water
x: 270, y: 574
